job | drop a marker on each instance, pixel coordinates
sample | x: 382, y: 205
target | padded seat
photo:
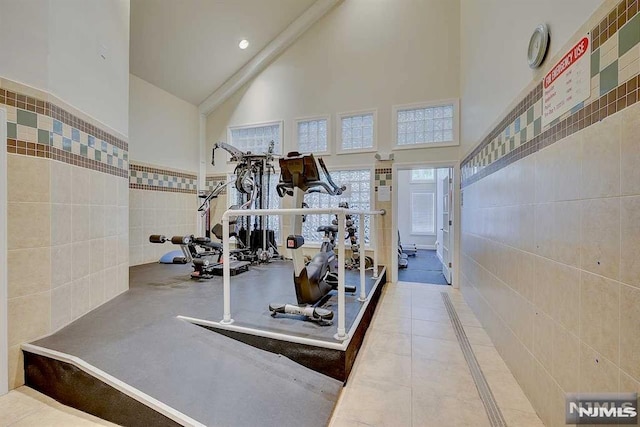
x: 329, y: 228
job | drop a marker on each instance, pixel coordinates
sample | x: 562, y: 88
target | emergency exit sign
x: 568, y: 83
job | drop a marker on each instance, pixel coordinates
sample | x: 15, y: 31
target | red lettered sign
x: 568, y: 83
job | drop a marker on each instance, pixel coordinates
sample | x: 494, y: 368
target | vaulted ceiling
x: 190, y: 47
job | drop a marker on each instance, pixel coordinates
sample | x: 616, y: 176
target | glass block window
x: 256, y: 138
x: 357, y: 131
x: 358, y: 194
x: 312, y: 136
x: 422, y: 175
x: 425, y: 125
x: 423, y: 212
x: 273, y: 222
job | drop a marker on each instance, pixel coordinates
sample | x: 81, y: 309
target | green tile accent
x: 629, y: 35
x: 27, y: 118
x: 383, y: 182
x: 43, y: 136
x: 595, y: 62
x: 609, y: 78
x: 83, y: 150
x: 512, y: 144
x: 523, y: 136
x: 12, y: 130
x: 530, y: 115
x: 537, y: 126
x: 98, y: 156
x: 388, y: 177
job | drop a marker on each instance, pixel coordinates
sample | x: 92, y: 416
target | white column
x: 363, y: 285
x: 226, y: 272
x: 342, y: 334
x: 374, y: 244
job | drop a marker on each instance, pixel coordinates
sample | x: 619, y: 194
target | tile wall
x: 551, y: 234
x: 68, y: 216
x: 161, y: 201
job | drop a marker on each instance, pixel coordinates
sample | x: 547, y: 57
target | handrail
x: 341, y: 213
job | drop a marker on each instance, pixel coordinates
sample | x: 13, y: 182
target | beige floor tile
x: 435, y: 377
x: 390, y: 323
x: 390, y: 342
x: 430, y: 314
x: 477, y: 335
x: 55, y: 417
x: 430, y: 329
x: 375, y: 404
x: 379, y: 366
x: 439, y: 350
x: 16, y: 405
x: 435, y: 410
x: 521, y: 419
x: 507, y: 392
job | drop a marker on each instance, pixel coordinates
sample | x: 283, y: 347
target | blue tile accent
x: 12, y: 130
x: 92, y: 141
x: 517, y: 125
x: 75, y: 135
x: 109, y: 159
x: 57, y: 127
x: 115, y: 151
x: 578, y: 107
x: 66, y: 144
x: 104, y: 146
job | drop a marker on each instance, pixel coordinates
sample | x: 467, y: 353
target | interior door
x: 447, y: 221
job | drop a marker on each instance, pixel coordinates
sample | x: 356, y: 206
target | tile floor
x: 410, y: 372
x: 25, y: 407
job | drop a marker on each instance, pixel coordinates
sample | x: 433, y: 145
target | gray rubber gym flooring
x: 214, y: 379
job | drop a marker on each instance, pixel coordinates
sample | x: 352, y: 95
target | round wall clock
x: 538, y: 45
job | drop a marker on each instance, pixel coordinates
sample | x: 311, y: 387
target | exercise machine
x: 405, y: 253
x: 252, y: 182
x: 313, y: 282
x: 204, y: 254
x: 353, y: 262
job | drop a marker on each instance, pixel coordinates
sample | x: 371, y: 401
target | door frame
x: 4, y: 344
x: 454, y: 208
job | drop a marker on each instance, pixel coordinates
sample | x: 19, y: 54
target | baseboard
x: 427, y: 247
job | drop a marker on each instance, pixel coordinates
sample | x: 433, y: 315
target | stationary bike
x: 300, y: 174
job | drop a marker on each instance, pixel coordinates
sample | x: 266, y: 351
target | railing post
x: 374, y: 244
x: 363, y: 257
x: 342, y: 334
x: 226, y: 272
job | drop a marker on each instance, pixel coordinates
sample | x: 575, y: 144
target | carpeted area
x: 425, y: 267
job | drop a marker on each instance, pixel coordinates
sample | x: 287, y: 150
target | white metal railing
x: 341, y: 214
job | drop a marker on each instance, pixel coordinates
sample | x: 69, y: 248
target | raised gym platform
x: 133, y: 361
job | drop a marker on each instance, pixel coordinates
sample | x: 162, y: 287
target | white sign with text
x: 568, y: 83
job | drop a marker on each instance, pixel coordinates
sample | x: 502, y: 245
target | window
x: 256, y: 138
x: 426, y: 124
x: 423, y: 175
x: 358, y: 194
x: 356, y: 131
x: 312, y: 135
x: 422, y: 213
x: 273, y: 221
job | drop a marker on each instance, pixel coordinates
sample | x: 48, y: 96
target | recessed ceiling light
x: 244, y: 43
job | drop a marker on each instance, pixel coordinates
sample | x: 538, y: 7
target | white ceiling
x: 190, y: 47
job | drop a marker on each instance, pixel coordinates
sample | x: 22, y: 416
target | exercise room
x: 319, y: 212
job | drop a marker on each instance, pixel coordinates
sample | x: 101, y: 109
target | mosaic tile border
x: 42, y: 129
x: 519, y: 134
x: 212, y: 180
x: 33, y: 149
x: 383, y: 176
x: 157, y: 179
x: 28, y: 103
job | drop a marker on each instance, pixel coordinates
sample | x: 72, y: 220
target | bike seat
x: 328, y: 228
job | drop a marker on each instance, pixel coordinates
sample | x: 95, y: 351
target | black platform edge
x: 72, y: 386
x: 336, y: 364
